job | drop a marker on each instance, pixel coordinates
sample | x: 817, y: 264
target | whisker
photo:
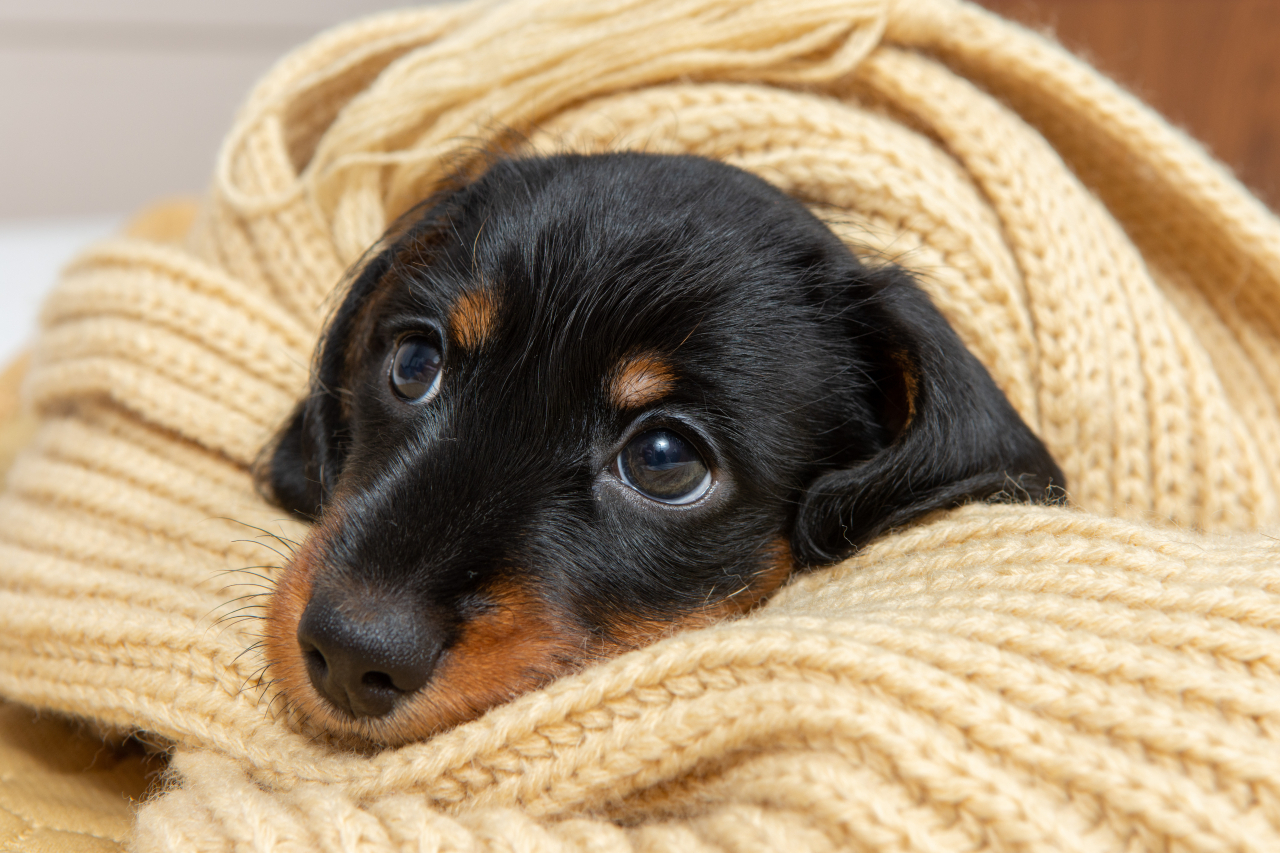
x: 275, y: 551
x: 248, y: 569
x: 283, y: 540
x: 252, y: 648
x: 248, y: 594
x: 269, y: 588
x: 241, y: 610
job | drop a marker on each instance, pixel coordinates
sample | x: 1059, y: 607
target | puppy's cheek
x: 517, y: 646
x: 777, y: 564
x: 522, y: 645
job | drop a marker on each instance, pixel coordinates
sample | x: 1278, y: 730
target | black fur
x: 831, y: 399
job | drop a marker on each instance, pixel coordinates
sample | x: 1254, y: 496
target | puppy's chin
x: 520, y: 642
x: 500, y: 656
x: 514, y: 646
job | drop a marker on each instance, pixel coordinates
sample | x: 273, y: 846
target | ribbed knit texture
x: 998, y: 678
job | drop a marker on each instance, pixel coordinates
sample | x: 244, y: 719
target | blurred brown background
x: 1212, y: 66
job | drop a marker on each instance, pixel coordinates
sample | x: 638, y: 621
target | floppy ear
x: 299, y: 468
x: 957, y: 438
x: 290, y: 470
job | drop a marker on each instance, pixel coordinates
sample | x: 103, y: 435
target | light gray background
x: 106, y: 105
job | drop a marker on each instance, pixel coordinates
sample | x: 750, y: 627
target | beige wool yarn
x: 1105, y: 677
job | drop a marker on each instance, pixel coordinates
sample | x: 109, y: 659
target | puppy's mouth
x: 372, y: 670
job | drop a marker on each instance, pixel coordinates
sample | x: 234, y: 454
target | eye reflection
x: 415, y: 369
x: 661, y: 465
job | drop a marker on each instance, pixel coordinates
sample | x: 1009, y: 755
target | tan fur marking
x: 640, y: 380
x: 285, y: 666
x: 473, y: 318
x: 517, y: 646
x: 911, y: 383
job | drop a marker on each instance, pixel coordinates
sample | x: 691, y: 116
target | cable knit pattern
x: 1105, y: 677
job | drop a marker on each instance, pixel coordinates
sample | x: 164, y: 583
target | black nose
x: 366, y: 654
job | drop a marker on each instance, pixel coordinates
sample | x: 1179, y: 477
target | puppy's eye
x: 661, y: 465
x: 415, y: 369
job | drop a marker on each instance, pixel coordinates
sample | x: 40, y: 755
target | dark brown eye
x: 661, y: 465
x: 415, y: 369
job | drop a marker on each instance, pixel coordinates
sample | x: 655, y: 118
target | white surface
x: 296, y: 13
x: 91, y: 131
x: 106, y: 106
x: 31, y: 254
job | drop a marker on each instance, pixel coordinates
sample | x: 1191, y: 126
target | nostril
x: 317, y: 667
x: 378, y: 681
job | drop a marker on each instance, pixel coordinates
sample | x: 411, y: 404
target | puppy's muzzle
x: 367, y: 653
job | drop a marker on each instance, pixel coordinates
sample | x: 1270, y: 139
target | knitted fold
x: 1105, y: 677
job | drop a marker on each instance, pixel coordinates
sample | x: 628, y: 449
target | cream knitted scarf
x: 997, y: 678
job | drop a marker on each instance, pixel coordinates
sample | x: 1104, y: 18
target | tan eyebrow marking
x: 473, y: 318
x: 640, y: 380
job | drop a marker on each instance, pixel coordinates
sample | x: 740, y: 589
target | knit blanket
x: 1100, y: 677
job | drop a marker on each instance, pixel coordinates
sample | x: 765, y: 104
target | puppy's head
x: 586, y: 400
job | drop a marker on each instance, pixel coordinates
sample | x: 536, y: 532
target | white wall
x: 108, y: 104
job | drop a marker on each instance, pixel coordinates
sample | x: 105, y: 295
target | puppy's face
x: 586, y: 401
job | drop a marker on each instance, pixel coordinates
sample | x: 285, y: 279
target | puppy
x: 581, y: 402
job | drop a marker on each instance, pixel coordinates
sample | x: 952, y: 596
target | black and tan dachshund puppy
x: 580, y: 402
